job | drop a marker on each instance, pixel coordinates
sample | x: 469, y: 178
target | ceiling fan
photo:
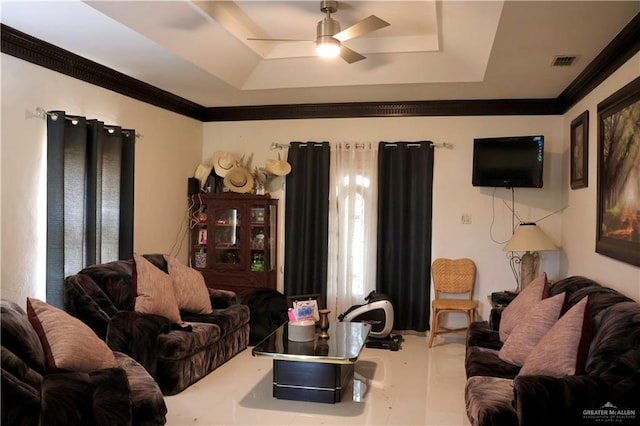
x: 329, y: 38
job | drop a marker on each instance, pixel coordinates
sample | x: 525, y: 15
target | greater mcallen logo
x: 609, y: 413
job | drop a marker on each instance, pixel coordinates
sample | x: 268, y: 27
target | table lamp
x: 528, y: 239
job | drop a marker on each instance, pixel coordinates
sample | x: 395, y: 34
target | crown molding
x: 36, y: 51
x: 386, y: 109
x: 613, y: 56
x: 23, y: 46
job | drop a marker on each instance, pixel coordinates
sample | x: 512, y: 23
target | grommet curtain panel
x: 90, y: 177
x: 405, y: 189
x: 306, y: 219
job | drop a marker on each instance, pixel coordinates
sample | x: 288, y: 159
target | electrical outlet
x: 465, y: 218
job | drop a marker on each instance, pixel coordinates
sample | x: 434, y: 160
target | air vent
x: 564, y: 61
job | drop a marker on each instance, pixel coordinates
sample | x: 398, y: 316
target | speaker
x: 193, y: 186
x: 216, y: 183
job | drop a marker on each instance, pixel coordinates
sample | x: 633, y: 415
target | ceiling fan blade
x: 275, y: 39
x: 349, y: 55
x: 372, y: 23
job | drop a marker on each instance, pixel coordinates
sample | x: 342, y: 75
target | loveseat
x: 177, y: 349
x: 33, y: 393
x: 605, y: 387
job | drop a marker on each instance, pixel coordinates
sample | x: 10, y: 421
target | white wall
x: 453, y: 192
x: 572, y: 226
x: 579, y: 219
x: 173, y: 145
x: 166, y: 155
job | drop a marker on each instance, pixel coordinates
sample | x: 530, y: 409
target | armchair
x: 32, y: 394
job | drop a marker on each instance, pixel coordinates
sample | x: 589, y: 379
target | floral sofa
x: 62, y: 384
x: 130, y: 305
x: 583, y: 367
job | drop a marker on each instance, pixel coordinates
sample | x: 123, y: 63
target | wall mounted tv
x: 510, y: 162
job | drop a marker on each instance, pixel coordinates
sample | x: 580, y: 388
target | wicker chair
x: 452, y: 276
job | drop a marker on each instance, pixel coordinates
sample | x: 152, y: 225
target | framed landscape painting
x: 618, y: 227
x: 580, y: 151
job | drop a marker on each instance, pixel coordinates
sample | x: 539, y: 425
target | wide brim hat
x: 202, y: 174
x: 274, y: 183
x: 278, y: 167
x: 239, y: 179
x: 223, y: 162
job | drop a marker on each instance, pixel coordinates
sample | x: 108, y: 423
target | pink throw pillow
x: 189, y: 287
x: 68, y: 343
x: 526, y: 335
x: 563, y: 350
x: 537, y: 290
x: 153, y: 290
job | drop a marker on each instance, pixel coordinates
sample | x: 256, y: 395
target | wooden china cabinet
x: 233, y: 240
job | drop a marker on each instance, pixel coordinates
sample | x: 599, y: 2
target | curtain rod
x: 42, y: 113
x: 446, y: 145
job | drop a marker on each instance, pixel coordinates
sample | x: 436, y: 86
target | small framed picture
x: 305, y: 297
x: 312, y: 301
x: 580, y: 151
x: 202, y: 237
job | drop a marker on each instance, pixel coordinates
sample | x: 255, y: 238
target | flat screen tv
x: 510, y: 162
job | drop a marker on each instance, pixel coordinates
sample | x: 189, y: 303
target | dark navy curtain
x: 405, y: 184
x: 90, y: 176
x: 307, y: 219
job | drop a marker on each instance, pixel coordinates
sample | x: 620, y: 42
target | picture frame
x: 314, y: 299
x: 618, y: 201
x: 300, y: 297
x: 202, y: 237
x: 579, y: 163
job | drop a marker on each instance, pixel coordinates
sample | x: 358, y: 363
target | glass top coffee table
x: 318, y: 370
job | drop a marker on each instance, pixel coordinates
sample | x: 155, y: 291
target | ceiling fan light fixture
x: 329, y: 36
x: 328, y: 47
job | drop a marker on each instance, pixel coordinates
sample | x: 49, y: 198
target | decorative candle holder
x: 324, y: 323
x: 322, y: 348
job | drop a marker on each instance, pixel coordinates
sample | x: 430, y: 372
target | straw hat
x: 223, y: 162
x: 274, y: 183
x: 239, y: 179
x: 202, y: 174
x: 278, y: 167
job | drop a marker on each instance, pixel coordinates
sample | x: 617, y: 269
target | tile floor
x: 413, y: 386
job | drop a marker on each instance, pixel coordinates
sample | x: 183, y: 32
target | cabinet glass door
x: 258, y: 238
x: 227, y: 237
x: 272, y: 237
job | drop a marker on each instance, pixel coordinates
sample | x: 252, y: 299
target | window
x: 354, y: 218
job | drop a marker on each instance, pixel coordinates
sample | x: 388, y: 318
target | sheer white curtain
x: 353, y: 211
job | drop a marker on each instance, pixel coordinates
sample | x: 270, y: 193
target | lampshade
x: 528, y: 237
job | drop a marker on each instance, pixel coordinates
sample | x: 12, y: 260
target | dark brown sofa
x: 176, y: 356
x: 32, y: 395
x: 606, y: 392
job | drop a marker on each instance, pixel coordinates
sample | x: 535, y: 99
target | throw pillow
x: 537, y: 290
x: 189, y: 287
x: 153, y: 290
x: 526, y: 335
x: 563, y: 350
x: 69, y: 344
